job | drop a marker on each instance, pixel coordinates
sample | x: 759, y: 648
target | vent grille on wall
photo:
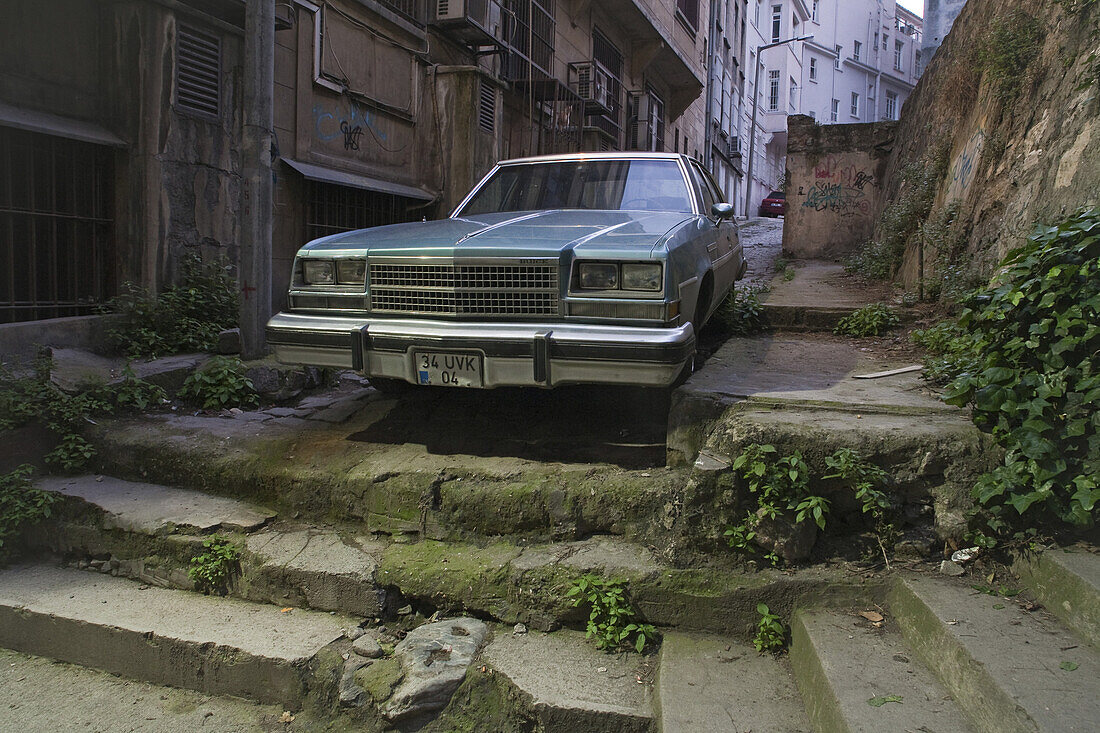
x: 198, y: 72
x: 487, y: 108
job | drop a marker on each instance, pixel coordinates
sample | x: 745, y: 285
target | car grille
x: 464, y: 290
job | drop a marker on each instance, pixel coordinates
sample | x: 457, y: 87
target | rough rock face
x: 791, y: 540
x: 433, y: 658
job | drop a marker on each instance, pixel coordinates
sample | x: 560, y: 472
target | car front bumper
x: 512, y: 354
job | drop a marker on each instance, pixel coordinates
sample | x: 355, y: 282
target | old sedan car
x: 583, y: 268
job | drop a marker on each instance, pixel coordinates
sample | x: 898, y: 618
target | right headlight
x: 318, y: 272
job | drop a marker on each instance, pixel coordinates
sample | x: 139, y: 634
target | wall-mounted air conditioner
x: 734, y: 147
x: 592, y: 83
x: 473, y: 22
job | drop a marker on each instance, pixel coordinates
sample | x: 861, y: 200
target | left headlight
x: 351, y: 272
x: 637, y: 276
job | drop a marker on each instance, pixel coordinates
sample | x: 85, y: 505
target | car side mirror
x: 721, y: 211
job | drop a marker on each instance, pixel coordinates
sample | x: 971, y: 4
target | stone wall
x: 1011, y: 161
x: 834, y: 183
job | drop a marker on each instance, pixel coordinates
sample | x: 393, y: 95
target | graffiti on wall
x: 962, y: 170
x: 332, y: 123
x: 839, y: 188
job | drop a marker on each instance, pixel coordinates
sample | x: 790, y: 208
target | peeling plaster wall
x: 1010, y: 165
x: 834, y: 182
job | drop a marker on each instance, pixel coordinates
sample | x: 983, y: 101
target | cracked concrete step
x: 1067, y: 581
x: 1009, y: 670
x: 569, y: 685
x: 147, y: 529
x: 154, y: 510
x: 710, y: 684
x: 38, y: 694
x: 842, y: 663
x: 214, y: 645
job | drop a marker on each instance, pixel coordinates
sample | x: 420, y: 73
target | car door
x: 727, y: 253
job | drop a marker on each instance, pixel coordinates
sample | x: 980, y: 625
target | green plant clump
x: 183, y: 317
x: 741, y: 313
x: 771, y: 635
x: 870, y: 320
x: 221, y: 383
x: 1035, y: 385
x: 1008, y: 47
x: 612, y: 620
x: 212, y: 570
x: 950, y: 351
x: 21, y: 505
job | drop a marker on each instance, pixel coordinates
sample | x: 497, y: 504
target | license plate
x: 448, y: 369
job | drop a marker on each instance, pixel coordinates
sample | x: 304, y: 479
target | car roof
x: 561, y: 157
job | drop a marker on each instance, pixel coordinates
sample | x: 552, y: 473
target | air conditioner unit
x: 592, y: 83
x: 734, y: 150
x: 473, y: 22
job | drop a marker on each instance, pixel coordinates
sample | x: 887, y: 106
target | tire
x: 701, y: 306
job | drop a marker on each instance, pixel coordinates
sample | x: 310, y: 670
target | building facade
x: 726, y: 95
x: 939, y: 16
x: 858, y: 63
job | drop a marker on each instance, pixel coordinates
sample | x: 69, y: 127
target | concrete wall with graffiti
x: 834, y: 180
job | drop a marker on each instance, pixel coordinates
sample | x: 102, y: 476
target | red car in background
x: 774, y: 204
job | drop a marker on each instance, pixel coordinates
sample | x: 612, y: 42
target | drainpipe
x: 257, y: 187
x: 708, y: 127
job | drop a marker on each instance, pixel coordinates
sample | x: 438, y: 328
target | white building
x: 860, y: 65
x: 726, y: 90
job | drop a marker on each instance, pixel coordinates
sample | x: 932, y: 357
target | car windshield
x: 627, y: 185
x: 776, y: 195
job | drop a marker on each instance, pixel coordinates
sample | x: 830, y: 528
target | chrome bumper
x: 513, y: 354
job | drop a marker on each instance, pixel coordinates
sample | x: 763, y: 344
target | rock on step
x: 214, y: 645
x: 848, y: 671
x: 708, y: 684
x: 152, y: 509
x: 1068, y: 584
x: 570, y: 685
x: 1009, y: 670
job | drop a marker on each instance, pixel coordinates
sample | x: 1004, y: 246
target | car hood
x: 525, y: 234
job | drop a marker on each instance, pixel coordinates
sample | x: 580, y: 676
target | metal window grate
x: 198, y: 72
x: 464, y: 290
x: 612, y: 60
x: 487, y: 108
x: 55, y: 227
x: 332, y: 209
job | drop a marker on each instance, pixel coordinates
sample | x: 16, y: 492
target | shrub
x: 21, y: 505
x: 183, y: 317
x: 1035, y: 385
x: 212, y: 570
x: 219, y: 384
x: 950, y: 351
x: 740, y: 314
x: 1007, y: 49
x: 771, y: 635
x: 870, y: 320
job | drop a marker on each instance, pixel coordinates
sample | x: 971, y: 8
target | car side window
x: 719, y: 196
x: 700, y: 183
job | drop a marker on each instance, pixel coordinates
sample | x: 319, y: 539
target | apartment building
x: 725, y: 97
x: 939, y: 16
x: 858, y: 62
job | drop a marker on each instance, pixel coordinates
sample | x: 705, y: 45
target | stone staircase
x: 942, y: 656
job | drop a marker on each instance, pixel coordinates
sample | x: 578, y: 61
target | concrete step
x: 39, y: 694
x: 1068, y: 583
x: 847, y: 670
x: 568, y: 685
x: 214, y: 645
x: 1009, y: 670
x: 711, y: 684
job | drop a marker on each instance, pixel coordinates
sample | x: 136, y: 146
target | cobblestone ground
x: 763, y: 242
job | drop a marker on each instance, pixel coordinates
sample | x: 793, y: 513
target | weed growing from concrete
x: 212, y: 570
x: 741, y: 313
x: 870, y: 320
x: 950, y: 351
x: 221, y: 383
x: 21, y: 505
x: 771, y: 634
x: 612, y: 621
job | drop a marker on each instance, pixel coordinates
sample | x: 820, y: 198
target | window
x: 198, y: 72
x: 813, y: 69
x: 916, y: 64
x: 689, y: 10
x: 777, y: 21
x: 855, y: 104
x: 604, y: 52
x: 331, y: 209
x: 836, y: 61
x: 487, y: 107
x: 885, y: 41
x: 875, y: 43
x: 891, y: 106
x: 898, y: 48
x: 773, y: 90
x: 857, y: 49
x: 756, y: 13
x: 56, y: 204
x: 791, y: 95
x: 814, y: 9
x: 835, y: 112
